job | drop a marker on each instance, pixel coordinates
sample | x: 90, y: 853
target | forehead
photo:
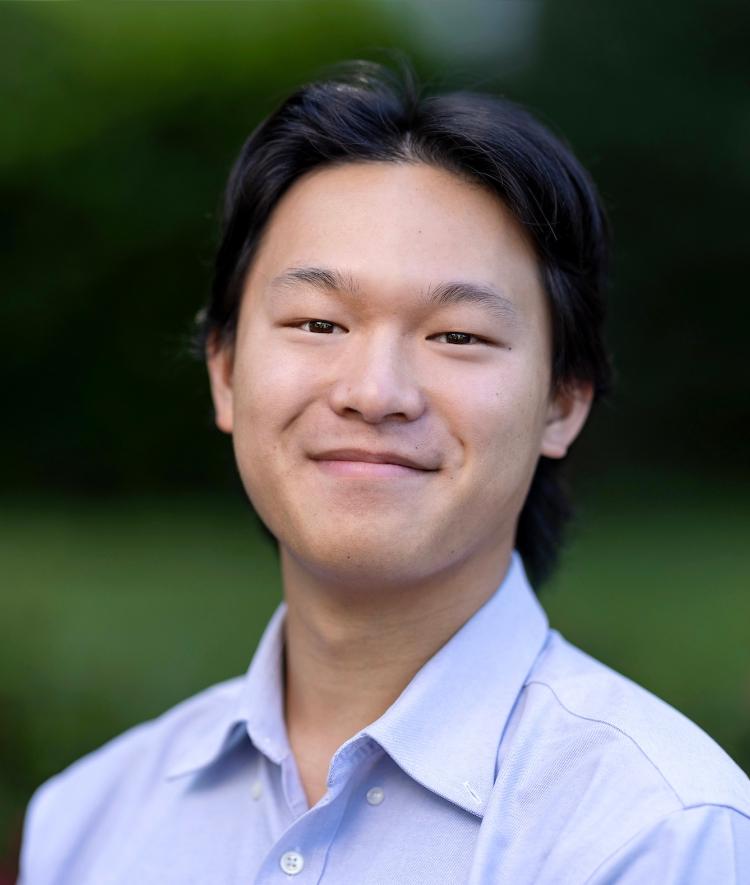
x: 398, y: 227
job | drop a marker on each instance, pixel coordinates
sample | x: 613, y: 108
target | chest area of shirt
x: 249, y: 826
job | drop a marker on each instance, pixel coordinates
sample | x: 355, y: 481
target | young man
x: 404, y: 339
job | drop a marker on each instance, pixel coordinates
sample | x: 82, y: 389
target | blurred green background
x: 133, y: 571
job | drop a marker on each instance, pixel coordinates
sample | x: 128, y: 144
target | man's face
x: 362, y: 360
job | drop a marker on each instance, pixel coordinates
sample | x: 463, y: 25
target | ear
x: 220, y: 364
x: 567, y: 413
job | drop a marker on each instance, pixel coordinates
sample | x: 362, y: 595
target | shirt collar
x: 445, y: 728
x: 254, y: 709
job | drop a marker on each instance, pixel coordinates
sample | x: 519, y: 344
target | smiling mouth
x: 365, y: 464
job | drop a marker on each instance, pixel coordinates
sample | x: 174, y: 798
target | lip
x: 361, y: 457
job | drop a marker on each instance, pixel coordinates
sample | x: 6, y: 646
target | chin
x: 359, y: 557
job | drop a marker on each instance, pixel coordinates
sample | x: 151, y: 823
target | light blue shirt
x: 511, y: 757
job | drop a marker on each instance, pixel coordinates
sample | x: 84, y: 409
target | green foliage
x: 654, y: 99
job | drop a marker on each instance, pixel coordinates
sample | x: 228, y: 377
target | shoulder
x: 119, y: 775
x: 664, y: 745
x: 153, y: 746
x: 703, y: 843
x: 595, y: 772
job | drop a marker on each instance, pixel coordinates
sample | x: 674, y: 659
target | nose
x: 376, y: 380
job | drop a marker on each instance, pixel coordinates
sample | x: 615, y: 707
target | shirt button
x: 292, y: 862
x: 375, y: 796
x: 257, y: 790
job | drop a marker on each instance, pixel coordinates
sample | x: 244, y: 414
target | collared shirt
x: 511, y: 757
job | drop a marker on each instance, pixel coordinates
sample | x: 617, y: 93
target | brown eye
x: 319, y: 326
x: 459, y: 337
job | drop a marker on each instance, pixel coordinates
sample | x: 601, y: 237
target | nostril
x: 375, y: 400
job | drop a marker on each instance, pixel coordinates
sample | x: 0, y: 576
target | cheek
x: 267, y: 389
x: 261, y: 410
x: 258, y: 410
x: 507, y: 438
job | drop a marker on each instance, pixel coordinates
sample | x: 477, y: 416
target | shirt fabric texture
x: 511, y: 757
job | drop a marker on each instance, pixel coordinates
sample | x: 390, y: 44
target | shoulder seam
x: 619, y: 731
x: 658, y: 823
x: 718, y: 805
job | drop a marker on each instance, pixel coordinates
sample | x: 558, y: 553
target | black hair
x: 365, y: 111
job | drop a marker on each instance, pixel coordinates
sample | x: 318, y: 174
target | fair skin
x: 383, y: 562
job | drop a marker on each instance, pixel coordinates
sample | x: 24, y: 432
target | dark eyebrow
x: 441, y: 294
x: 473, y: 293
x: 324, y: 278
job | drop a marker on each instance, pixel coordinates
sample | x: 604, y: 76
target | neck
x: 351, y: 651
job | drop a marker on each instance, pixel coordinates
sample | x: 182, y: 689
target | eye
x: 460, y: 338
x: 319, y: 327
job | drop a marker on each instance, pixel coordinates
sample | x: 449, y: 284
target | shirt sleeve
x: 704, y: 845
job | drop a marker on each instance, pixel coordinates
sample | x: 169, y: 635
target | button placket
x: 309, y: 837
